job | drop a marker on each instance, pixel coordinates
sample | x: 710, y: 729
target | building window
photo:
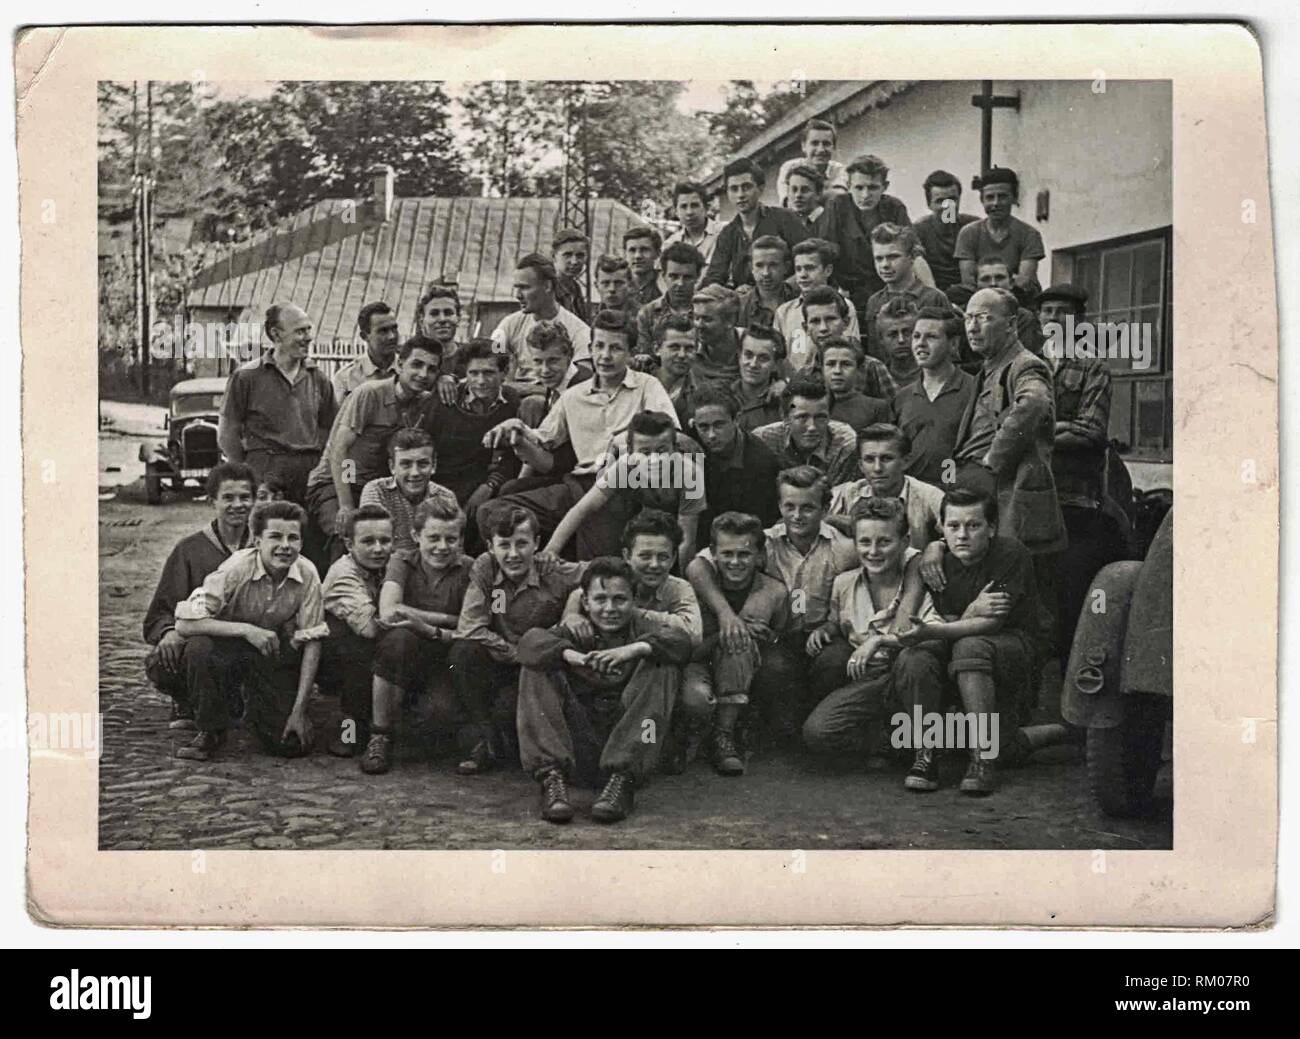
x: 1129, y: 282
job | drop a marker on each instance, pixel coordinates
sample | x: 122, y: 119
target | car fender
x: 1148, y: 665
x: 1091, y: 693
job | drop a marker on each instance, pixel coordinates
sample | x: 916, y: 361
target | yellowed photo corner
x: 1220, y: 873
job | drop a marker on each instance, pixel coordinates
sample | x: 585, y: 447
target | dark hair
x: 419, y: 342
x: 843, y: 343
x: 410, y: 439
x: 739, y: 167
x: 806, y: 387
x: 673, y: 323
x: 359, y: 515
x: 368, y: 312
x: 608, y: 568
x: 230, y: 472
x: 611, y: 264
x: 435, y: 508
x: 868, y: 166
x: 503, y: 522
x: 998, y: 175
x: 651, y: 523
x: 878, y: 432
x: 278, y: 510
x: 808, y: 173
x: 738, y: 524
x: 952, y: 324
x: 826, y: 252
x: 899, y: 308
x: 690, y: 187
x: 615, y: 321
x: 770, y: 241
x: 566, y: 235
x: 437, y: 291
x: 889, y: 509
x: 643, y: 231
x: 805, y: 478
x: 649, y: 424
x: 817, y: 124
x: 759, y: 330
x: 274, y: 483
x: 823, y: 296
x: 887, y: 234
x: 546, y: 334
x: 480, y: 349
x: 681, y: 252
x: 940, y: 179
x: 542, y: 265
x: 712, y: 394
x: 963, y: 496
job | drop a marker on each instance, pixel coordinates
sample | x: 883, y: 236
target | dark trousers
x: 170, y: 682
x: 323, y: 508
x: 346, y: 668
x: 487, y: 692
x: 290, y: 469
x: 215, y: 667
x: 1095, y: 541
x: 549, y: 503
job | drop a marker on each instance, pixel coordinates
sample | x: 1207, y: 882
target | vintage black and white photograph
x: 675, y: 464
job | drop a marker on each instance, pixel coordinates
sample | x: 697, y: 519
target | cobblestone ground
x: 149, y: 800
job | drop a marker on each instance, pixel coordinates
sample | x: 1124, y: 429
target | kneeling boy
x: 256, y: 622
x: 598, y: 706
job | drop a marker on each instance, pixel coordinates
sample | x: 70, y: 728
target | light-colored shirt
x: 705, y: 243
x: 854, y: 611
x: 242, y: 590
x: 920, y: 500
x: 589, y: 417
x: 354, y: 373
x: 836, y: 175
x: 800, y: 350
x: 811, y: 576
x: 511, y: 337
x: 351, y: 592
x: 384, y: 491
x: 373, y: 412
x: 673, y: 604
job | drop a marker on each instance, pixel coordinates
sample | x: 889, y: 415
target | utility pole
x: 146, y: 251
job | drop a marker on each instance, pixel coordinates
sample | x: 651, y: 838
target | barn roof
x: 332, y: 258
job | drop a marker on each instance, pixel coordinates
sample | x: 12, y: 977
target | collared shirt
x: 1082, y: 388
x: 755, y: 411
x: 354, y: 373
x: 743, y: 480
x: 932, y: 425
x: 984, y: 417
x: 569, y: 295
x: 241, y: 589
x: 351, y: 592
x: 920, y: 293
x: 939, y: 240
x: 837, y: 456
x: 589, y: 417
x: 705, y: 368
x: 647, y: 291
x: 384, y: 491
x: 1019, y: 242
x: 274, y: 414
x: 801, y: 351
x: 854, y: 610
x: 859, y: 411
x: 648, y: 319
x: 849, y: 227
x: 706, y: 242
x: 674, y: 486
x: 190, y: 561
x: 754, y: 311
x: 373, y: 413
x: 920, y: 500
x: 434, y: 591
x: 511, y: 337
x: 730, y: 264
x: 835, y: 176
x: 809, y: 577
x: 497, y: 611
x: 673, y: 604
x: 573, y: 376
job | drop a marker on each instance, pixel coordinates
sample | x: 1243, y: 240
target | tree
x: 749, y: 110
x: 515, y: 128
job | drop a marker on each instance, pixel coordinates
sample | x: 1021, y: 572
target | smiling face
x: 514, y: 554
x: 613, y: 287
x: 716, y: 428
x: 279, y: 545
x: 676, y: 352
x: 880, y: 546
x: 382, y: 338
x: 818, y: 147
x: 439, y: 542
x: 371, y: 543
x: 438, y: 319
x: 866, y: 189
x: 651, y: 558
x: 571, y: 259
x: 801, y: 509
x: 840, y: 369
x: 768, y: 266
x: 293, y: 333
x: 810, y: 272
x: 483, y: 376
x: 418, y: 370
x: 551, y: 364
x: 757, y: 361
x: 967, y: 532
x: 881, y: 462
x: 822, y: 321
x: 737, y: 559
x: 931, y: 346
x: 681, y: 279
x: 609, y: 602
x: 609, y: 355
x: 808, y: 420
x: 413, y: 469
x: 641, y: 256
x: 533, y: 293
x: 233, y: 503
x: 744, y: 192
x: 893, y: 264
x: 997, y: 200
x: 801, y: 193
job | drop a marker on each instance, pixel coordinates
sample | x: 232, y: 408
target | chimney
x: 381, y: 192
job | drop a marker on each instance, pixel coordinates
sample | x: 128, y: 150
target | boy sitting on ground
x: 351, y: 595
x: 858, y: 642
x: 230, y: 491
x: 255, y: 624
x: 413, y: 460
x: 419, y: 608
x: 598, y: 707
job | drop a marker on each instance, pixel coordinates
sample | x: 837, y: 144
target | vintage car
x: 1119, y: 680
x: 191, y: 450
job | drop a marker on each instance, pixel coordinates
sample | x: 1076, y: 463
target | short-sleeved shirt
x: 1022, y: 242
x: 241, y: 589
x: 674, y: 485
x: 354, y: 373
x: 497, y: 611
x: 274, y: 414
x: 434, y: 591
x: 921, y: 501
x: 373, y: 412
x: 812, y: 574
x: 932, y: 424
x: 705, y: 243
x: 855, y: 612
x: 939, y: 240
x: 351, y: 592
x: 589, y: 417
x: 837, y: 457
x: 511, y: 337
x: 1010, y: 567
x: 385, y: 492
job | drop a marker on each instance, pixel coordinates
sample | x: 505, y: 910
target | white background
x: 1275, y: 25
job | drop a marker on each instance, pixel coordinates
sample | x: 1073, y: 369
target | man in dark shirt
x: 569, y: 253
x: 938, y: 228
x: 739, y: 471
x: 930, y: 410
x: 730, y: 264
x: 641, y: 247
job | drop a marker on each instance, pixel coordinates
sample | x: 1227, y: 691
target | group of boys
x: 775, y: 485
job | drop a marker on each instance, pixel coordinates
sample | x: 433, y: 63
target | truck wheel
x: 1123, y: 760
x: 152, y: 487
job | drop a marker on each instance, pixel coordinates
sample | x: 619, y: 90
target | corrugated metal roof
x: 331, y: 266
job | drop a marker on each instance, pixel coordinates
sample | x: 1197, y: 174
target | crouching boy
x: 990, y: 618
x: 351, y: 594
x: 723, y: 672
x: 600, y: 706
x: 255, y: 623
x: 860, y: 669
x: 419, y: 608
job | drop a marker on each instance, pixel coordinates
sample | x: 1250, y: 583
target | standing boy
x: 743, y: 182
x: 378, y: 327
x: 569, y: 251
x: 930, y: 411
x: 999, y: 233
x: 938, y: 229
x: 895, y: 250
